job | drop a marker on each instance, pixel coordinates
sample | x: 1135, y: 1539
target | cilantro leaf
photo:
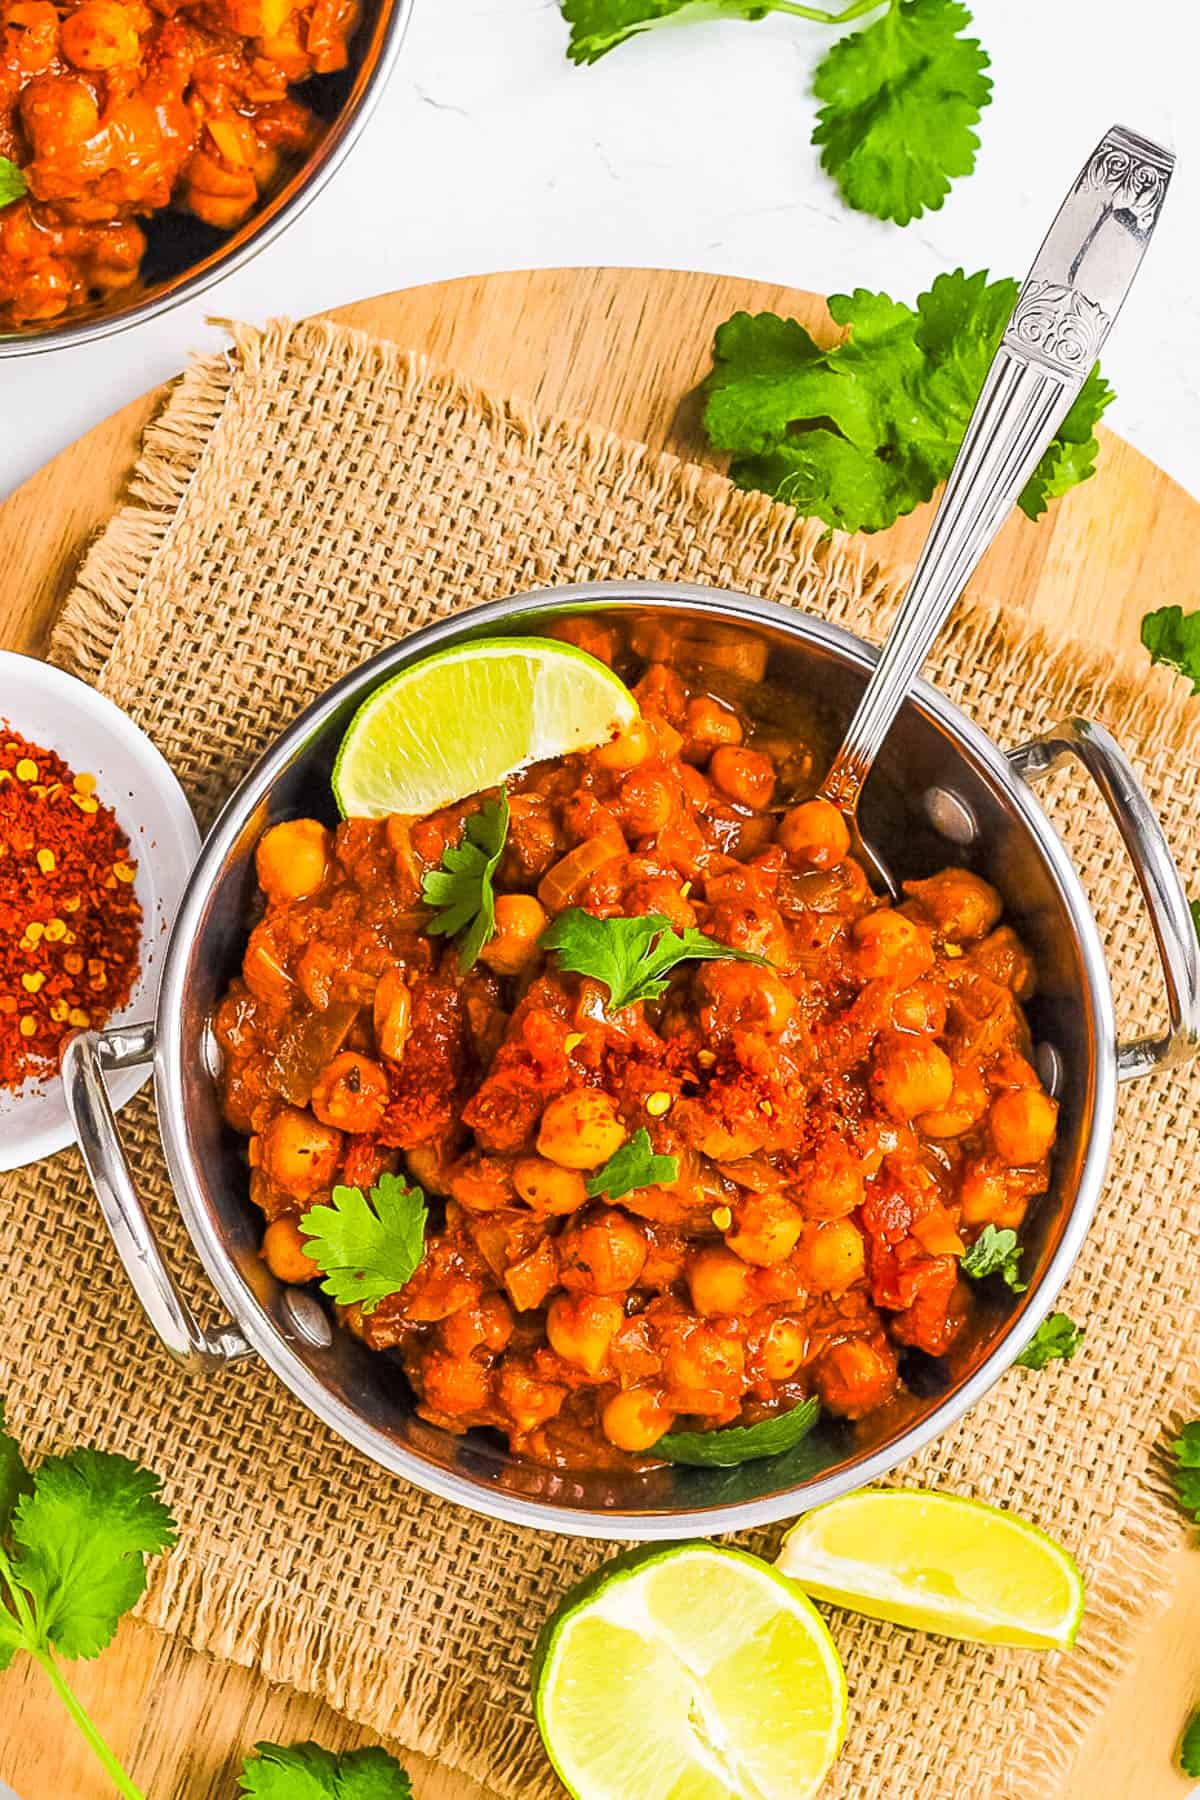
x: 632, y: 957
x: 1186, y: 1474
x: 733, y: 1444
x: 461, y: 888
x: 1189, y: 1747
x: 1056, y: 1339
x: 901, y: 97
x: 995, y: 1252
x: 1194, y: 909
x: 860, y: 434
x: 598, y: 26
x: 1173, y: 638
x: 307, y: 1772
x: 15, y: 1478
x: 367, y: 1247
x: 634, y: 1165
x: 12, y: 181
x: 81, y: 1537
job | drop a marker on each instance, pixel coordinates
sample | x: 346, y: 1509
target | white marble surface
x: 689, y: 149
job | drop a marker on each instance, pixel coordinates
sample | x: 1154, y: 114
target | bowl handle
x: 1162, y: 888
x: 85, y: 1058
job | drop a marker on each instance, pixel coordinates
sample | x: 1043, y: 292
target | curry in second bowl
x: 702, y: 1127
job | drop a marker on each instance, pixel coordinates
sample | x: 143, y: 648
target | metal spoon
x: 1063, y: 315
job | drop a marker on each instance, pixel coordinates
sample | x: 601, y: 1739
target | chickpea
x: 101, y: 34
x: 708, y: 725
x: 920, y: 1008
x: 911, y: 1075
x: 283, y: 1251
x: 766, y: 1228
x: 831, y: 1188
x: 292, y: 859
x: 454, y: 1385
x: 487, y: 1324
x: 834, y: 1256
x: 745, y: 776
x: 815, y: 833
x: 351, y: 1093
x: 963, y: 906
x: 580, y: 1129
x: 784, y: 1349
x: 299, y: 1154
x: 547, y: 1188
x: 608, y: 1249
x: 967, y: 1104
x: 528, y: 1400
x: 889, y: 947
x: 635, y: 1420
x: 581, y: 1328
x: 646, y: 803
x: 628, y: 751
x: 854, y: 1377
x: 985, y: 1198
x: 701, y: 1361
x: 1022, y: 1122
x: 743, y: 994
x: 520, y: 922
x: 392, y: 1014
x: 720, y: 1283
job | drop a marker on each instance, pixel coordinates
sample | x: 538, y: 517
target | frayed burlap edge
x: 255, y: 1630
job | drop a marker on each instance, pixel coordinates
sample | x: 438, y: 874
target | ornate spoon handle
x: 1063, y: 314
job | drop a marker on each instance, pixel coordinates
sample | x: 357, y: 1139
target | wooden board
x: 626, y: 348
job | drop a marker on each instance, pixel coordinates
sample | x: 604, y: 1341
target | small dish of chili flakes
x: 96, y: 845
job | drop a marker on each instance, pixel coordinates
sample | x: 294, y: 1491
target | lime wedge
x: 467, y: 718
x: 938, y: 1562
x: 693, y: 1673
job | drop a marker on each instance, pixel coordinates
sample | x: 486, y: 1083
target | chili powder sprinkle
x: 70, y: 923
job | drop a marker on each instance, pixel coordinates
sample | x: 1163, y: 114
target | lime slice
x: 693, y: 1673
x: 938, y: 1562
x: 468, y: 718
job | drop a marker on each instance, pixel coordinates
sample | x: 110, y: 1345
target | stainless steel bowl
x: 184, y: 256
x: 942, y: 793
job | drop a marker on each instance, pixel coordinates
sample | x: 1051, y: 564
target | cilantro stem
x: 854, y: 11
x: 100, y: 1749
x: 58, y: 1681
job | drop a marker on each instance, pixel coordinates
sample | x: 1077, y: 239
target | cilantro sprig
x: 308, y: 1772
x: 460, y: 889
x: 632, y: 957
x: 74, y: 1535
x: 901, y: 96
x: 367, y: 1246
x: 1173, y: 638
x: 860, y: 434
x: 995, y: 1252
x: 733, y: 1444
x: 634, y: 1165
x: 1056, y: 1339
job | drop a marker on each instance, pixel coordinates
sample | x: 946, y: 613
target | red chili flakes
x: 70, y: 923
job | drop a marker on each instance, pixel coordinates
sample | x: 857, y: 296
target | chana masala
x: 111, y: 110
x: 843, y: 1118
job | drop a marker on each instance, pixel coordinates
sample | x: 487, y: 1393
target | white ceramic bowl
x: 62, y: 714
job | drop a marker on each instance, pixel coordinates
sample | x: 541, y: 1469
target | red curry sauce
x: 845, y: 1121
x: 115, y: 109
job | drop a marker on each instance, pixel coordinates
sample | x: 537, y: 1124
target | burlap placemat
x: 301, y: 501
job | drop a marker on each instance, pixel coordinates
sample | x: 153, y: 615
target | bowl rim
x: 265, y: 1336
x: 260, y: 229
x: 158, y: 776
